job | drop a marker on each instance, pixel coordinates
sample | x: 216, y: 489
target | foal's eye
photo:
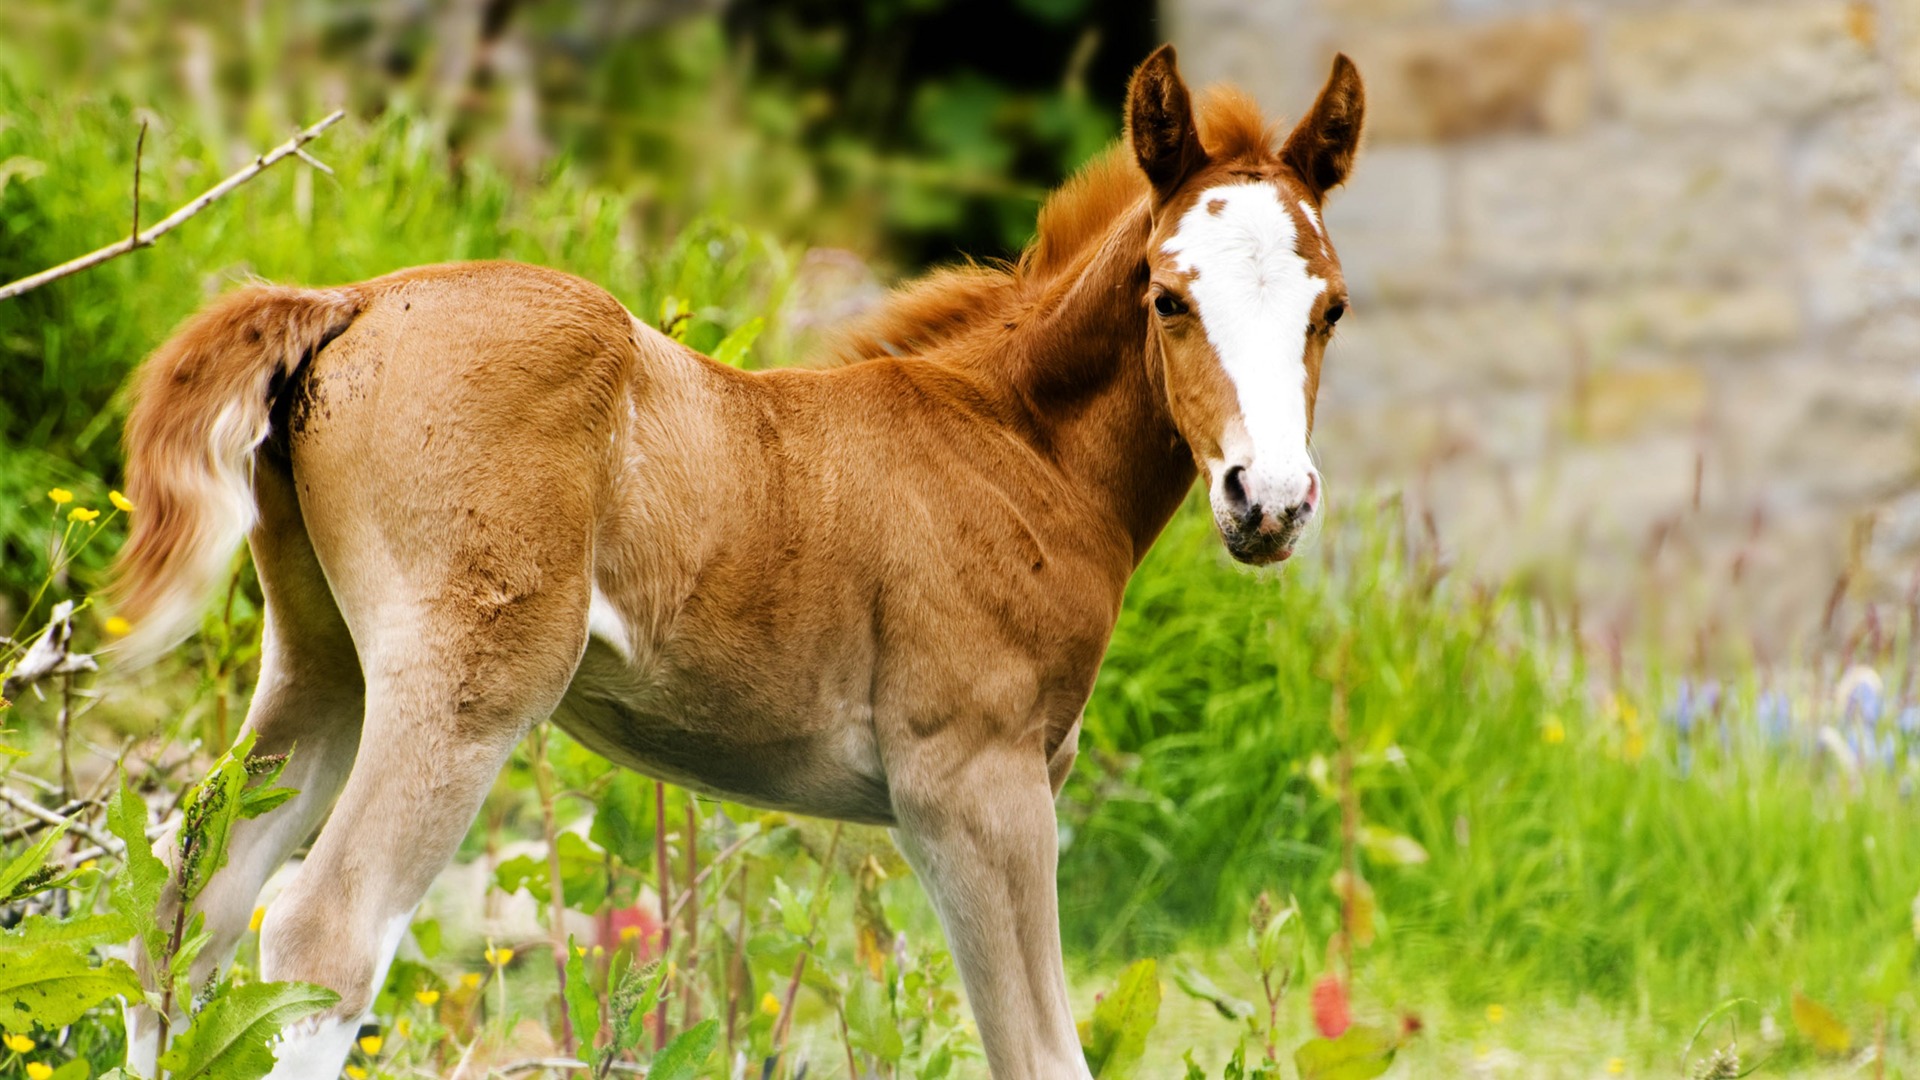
x: 1334, y: 312
x: 1168, y: 305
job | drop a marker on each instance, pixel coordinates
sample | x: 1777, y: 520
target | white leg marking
x: 313, y: 1051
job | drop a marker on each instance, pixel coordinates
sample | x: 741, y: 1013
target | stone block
x: 1858, y: 182
x: 1620, y: 206
x: 1681, y: 319
x: 1620, y: 403
x: 1273, y: 49
x: 1449, y: 81
x: 1481, y: 345
x: 1740, y: 63
x: 1391, y: 224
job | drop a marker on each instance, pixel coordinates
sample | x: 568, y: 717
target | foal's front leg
x: 978, y: 828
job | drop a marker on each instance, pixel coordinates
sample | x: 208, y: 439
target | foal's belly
x: 707, y: 736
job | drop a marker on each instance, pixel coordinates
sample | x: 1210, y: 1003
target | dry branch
x: 80, y: 828
x: 165, y: 225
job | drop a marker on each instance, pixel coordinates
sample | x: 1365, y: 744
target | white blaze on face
x: 1254, y: 294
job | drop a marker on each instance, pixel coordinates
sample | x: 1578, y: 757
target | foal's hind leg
x: 448, y: 695
x: 308, y: 700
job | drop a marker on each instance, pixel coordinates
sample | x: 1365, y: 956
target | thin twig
x: 21, y: 832
x: 172, y: 221
x: 707, y: 871
x: 139, y: 148
x: 663, y: 888
x: 530, y: 1064
x: 80, y: 828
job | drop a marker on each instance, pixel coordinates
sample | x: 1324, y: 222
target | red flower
x: 1330, y: 1006
x: 638, y: 925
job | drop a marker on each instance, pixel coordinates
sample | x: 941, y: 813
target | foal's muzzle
x: 1261, y: 518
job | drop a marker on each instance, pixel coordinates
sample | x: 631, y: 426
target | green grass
x: 1573, y: 871
x: 1570, y: 860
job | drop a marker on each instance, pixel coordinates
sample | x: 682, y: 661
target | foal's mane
x: 950, y: 302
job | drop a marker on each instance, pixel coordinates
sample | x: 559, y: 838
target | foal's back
x: 735, y: 581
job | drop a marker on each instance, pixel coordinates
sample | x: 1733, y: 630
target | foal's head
x: 1245, y: 290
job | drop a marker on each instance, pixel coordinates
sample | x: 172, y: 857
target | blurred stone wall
x: 1630, y: 276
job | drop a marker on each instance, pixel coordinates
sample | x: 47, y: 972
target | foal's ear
x: 1322, y: 147
x: 1160, y: 124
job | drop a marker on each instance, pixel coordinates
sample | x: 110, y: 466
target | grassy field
x: 1557, y: 864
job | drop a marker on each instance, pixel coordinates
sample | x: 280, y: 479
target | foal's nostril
x: 1233, y: 487
x: 1312, y: 501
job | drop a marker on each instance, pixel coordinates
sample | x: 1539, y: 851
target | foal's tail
x: 202, y: 405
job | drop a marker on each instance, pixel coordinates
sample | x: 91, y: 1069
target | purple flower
x: 1775, y: 714
x: 1681, y: 713
x: 1864, y: 702
x: 1909, y: 721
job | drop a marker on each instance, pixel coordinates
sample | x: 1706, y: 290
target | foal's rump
x: 456, y: 418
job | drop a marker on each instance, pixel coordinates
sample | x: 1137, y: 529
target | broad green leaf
x: 1384, y: 847
x: 583, y: 874
x: 938, y: 1063
x: 77, y: 1069
x: 1117, y: 1036
x: 633, y: 1001
x: 793, y: 909
x: 82, y: 933
x: 55, y: 985
x: 1893, y: 974
x: 136, y: 892
x: 23, y: 876
x: 230, y: 1039
x: 684, y: 1056
x: 226, y: 795
x: 583, y: 1006
x: 1361, y: 1052
x: 870, y: 1022
x: 1822, y: 1027
x: 733, y: 348
x: 623, y: 819
x: 1196, y: 985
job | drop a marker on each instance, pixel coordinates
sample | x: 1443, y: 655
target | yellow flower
x: 429, y: 998
x: 370, y: 1044
x: 37, y: 1070
x: 60, y: 496
x: 118, y: 627
x: 499, y: 957
x: 19, y: 1044
x: 1496, y: 1014
x: 1553, y: 732
x: 356, y: 1072
x: 259, y: 916
x: 580, y: 949
x: 1616, y: 1066
x: 628, y: 933
x: 90, y: 864
x: 403, y: 1027
x: 599, y: 950
x: 82, y: 514
x: 769, y: 1004
x: 471, y: 980
x: 120, y: 502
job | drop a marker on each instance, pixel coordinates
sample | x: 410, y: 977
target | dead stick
x: 139, y: 148
x: 172, y: 221
x: 33, y: 809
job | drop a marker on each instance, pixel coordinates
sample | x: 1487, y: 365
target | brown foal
x: 480, y: 495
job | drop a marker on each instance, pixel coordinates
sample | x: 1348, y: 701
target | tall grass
x: 1584, y: 840
x: 396, y: 200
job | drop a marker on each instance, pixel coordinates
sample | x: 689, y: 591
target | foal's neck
x: 1096, y: 397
